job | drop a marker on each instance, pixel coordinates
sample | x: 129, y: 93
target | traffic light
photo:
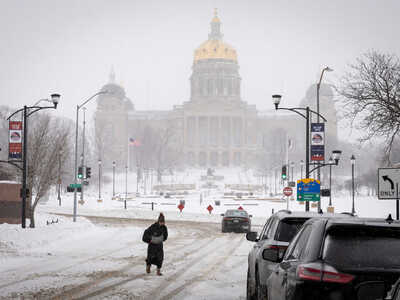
x: 88, y: 172
x: 80, y: 172
x: 284, y: 170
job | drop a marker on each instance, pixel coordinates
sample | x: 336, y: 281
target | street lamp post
x: 333, y: 161
x: 353, y: 161
x: 83, y: 171
x: 301, y: 168
x: 113, y: 178
x: 59, y: 179
x: 126, y: 185
x: 76, y: 148
x: 83, y: 154
x: 292, y: 167
x: 330, y: 180
x: 276, y: 100
x: 99, y: 181
x: 55, y: 98
x: 326, y: 69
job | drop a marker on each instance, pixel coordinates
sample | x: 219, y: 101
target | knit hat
x: 161, y: 218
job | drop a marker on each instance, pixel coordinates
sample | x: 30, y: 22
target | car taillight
x: 227, y: 219
x: 319, y: 272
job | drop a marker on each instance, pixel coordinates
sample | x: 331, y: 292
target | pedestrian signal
x: 88, y: 172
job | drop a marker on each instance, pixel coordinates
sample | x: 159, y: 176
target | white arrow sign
x: 388, y: 183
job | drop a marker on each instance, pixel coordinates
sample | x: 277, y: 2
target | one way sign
x: 388, y: 183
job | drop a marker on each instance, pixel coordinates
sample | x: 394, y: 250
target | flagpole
x: 287, y: 168
x: 126, y: 176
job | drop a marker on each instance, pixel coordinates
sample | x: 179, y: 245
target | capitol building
x: 215, y: 127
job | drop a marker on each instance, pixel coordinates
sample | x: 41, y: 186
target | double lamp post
x: 28, y: 111
x: 305, y: 113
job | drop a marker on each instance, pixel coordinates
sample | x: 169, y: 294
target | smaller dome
x: 116, y: 90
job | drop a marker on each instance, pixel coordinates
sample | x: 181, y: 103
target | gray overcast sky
x: 69, y: 46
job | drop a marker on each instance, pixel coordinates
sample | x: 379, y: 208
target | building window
x: 202, y: 159
x: 237, y: 158
x: 214, y: 159
x: 225, y: 159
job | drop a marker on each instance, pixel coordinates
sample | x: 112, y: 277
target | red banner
x: 15, y: 140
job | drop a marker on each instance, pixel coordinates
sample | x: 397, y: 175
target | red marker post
x: 210, y: 208
x: 181, y: 207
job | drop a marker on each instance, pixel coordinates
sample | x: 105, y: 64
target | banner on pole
x: 15, y: 140
x: 317, y: 141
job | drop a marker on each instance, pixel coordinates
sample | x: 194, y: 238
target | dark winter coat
x: 155, y: 235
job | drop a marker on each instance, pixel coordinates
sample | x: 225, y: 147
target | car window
x: 269, y: 232
x: 264, y: 228
x: 301, y: 242
x: 365, y: 243
x: 236, y: 213
x: 288, y: 228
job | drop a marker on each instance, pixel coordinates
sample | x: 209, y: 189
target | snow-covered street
x: 104, y: 258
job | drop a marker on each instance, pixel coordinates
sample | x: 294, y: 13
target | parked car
x: 237, y: 220
x: 332, y: 258
x: 394, y: 293
x: 277, y: 232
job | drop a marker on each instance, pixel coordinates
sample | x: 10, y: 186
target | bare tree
x: 49, y: 138
x: 371, y: 93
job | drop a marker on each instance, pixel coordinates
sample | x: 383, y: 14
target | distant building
x: 215, y: 127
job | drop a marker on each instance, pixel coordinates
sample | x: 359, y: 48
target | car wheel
x: 249, y: 295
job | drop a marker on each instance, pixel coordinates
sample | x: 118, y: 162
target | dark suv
x: 353, y: 258
x: 277, y: 232
x: 394, y: 294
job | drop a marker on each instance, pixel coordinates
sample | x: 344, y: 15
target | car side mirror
x: 222, y: 215
x: 271, y: 254
x: 251, y: 236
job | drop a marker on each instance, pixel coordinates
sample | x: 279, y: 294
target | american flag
x: 134, y: 142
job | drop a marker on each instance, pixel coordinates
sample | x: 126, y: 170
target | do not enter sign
x: 288, y: 191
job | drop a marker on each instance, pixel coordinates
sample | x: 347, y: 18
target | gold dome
x: 215, y: 49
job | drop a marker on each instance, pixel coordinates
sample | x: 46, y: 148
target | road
x: 200, y: 263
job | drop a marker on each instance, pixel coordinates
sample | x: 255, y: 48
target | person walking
x: 154, y: 236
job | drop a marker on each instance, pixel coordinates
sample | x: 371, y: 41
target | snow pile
x: 14, y: 238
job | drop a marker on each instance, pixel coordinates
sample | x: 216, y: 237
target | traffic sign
x: 73, y: 185
x: 388, y: 182
x: 308, y: 189
x: 287, y: 191
x: 209, y: 208
x: 181, y: 206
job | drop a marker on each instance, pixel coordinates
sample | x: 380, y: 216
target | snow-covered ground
x: 103, y: 257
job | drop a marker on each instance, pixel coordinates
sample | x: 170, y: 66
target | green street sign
x: 73, y: 185
x: 308, y: 190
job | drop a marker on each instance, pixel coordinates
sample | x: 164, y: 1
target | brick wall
x: 10, y: 202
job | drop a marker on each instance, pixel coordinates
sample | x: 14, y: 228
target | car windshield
x: 236, y: 213
x: 363, y: 247
x: 288, y: 228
